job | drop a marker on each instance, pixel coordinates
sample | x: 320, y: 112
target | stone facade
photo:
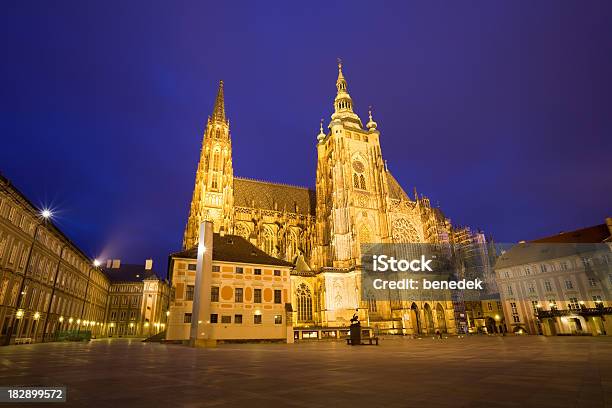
x: 356, y: 201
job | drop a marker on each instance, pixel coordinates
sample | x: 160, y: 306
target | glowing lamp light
x: 78, y: 321
x: 496, y: 317
x: 70, y: 320
x: 61, y: 319
x: 146, y: 324
x: 96, y: 263
x: 538, y: 305
x: 36, y: 316
x: 46, y: 213
x: 19, y: 314
x: 581, y: 302
x: 168, y: 313
x: 257, y: 312
x: 131, y: 324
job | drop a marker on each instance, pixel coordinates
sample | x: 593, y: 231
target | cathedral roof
x: 395, y: 190
x: 263, y: 195
x: 234, y: 248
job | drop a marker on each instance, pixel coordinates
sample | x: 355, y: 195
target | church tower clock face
x: 358, y: 166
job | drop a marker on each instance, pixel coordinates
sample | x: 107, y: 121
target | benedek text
x: 411, y: 284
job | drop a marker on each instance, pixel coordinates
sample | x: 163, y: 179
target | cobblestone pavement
x: 401, y: 372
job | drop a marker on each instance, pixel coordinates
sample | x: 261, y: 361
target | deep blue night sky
x: 499, y: 111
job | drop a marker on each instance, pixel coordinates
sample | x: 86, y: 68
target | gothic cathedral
x: 356, y: 201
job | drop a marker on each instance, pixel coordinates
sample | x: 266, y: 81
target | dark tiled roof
x: 395, y: 190
x: 595, y: 234
x: 233, y: 248
x: 129, y: 273
x: 263, y: 195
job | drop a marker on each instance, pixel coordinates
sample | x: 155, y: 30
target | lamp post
x: 45, y: 214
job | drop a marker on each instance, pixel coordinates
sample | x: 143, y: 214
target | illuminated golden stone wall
x: 356, y: 201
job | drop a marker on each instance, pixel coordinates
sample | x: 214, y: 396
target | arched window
x: 268, y: 241
x: 362, y: 183
x: 355, y: 180
x: 218, y: 133
x: 214, y: 184
x: 216, y: 160
x: 242, y: 230
x: 304, y: 303
x: 292, y: 245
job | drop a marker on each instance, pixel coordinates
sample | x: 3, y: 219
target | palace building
x: 320, y: 231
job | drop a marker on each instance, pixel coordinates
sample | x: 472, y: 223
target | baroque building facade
x: 49, y: 287
x: 356, y: 201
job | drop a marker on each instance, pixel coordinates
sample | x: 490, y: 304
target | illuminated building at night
x: 559, y: 284
x: 356, y: 201
x: 48, y: 285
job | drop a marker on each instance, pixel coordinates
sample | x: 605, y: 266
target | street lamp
x: 45, y: 214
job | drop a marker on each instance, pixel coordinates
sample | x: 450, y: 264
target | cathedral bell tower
x: 351, y: 185
x: 213, y: 191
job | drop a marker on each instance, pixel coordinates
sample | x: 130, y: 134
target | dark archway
x: 440, y: 315
x: 414, y: 318
x: 429, y: 322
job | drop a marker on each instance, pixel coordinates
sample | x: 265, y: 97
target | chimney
x: 109, y: 262
x: 148, y: 264
x: 116, y: 263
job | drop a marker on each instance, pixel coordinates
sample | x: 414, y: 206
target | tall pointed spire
x: 343, y: 104
x: 219, y: 109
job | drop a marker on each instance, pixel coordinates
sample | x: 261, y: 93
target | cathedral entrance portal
x: 429, y: 321
x: 440, y: 318
x: 414, y: 319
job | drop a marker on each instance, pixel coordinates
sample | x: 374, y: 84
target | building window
x: 277, y: 296
x: 534, y: 306
x: 510, y: 293
x: 304, y: 303
x: 214, y: 318
x: 278, y: 319
x: 257, y: 296
x: 238, y: 295
x: 257, y: 319
x: 192, y: 267
x: 257, y: 271
x: 216, y: 268
x: 568, y: 284
x: 563, y: 265
x: 516, y: 319
x: 277, y: 272
x: 598, y: 301
x: 187, y: 318
x: 214, y: 293
x: 592, y: 282
x: 552, y: 304
x: 490, y: 306
x: 226, y: 319
x: 547, y: 286
x: 238, y: 319
x: 189, y: 292
x: 573, y: 304
x: 239, y: 269
x: 531, y: 288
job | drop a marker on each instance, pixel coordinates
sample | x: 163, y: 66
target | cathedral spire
x: 343, y: 104
x: 219, y: 109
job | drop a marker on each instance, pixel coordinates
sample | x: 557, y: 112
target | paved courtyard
x: 458, y: 372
